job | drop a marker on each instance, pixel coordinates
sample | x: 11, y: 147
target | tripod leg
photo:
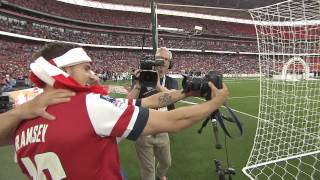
x: 216, y: 134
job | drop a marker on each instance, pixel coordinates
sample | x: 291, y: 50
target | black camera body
x: 191, y: 83
x: 148, y: 76
x: 6, y: 103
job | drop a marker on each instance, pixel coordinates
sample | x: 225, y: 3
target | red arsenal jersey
x: 81, y: 142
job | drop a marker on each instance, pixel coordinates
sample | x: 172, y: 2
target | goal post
x: 287, y: 141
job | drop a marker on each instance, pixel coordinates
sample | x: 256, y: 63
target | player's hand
x: 219, y: 95
x: 37, y: 106
x: 93, y: 79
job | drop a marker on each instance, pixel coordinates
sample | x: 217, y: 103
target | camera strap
x: 231, y: 118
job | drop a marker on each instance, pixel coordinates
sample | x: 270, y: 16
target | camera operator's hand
x: 135, y: 90
x: 159, y: 87
x: 219, y: 95
x: 135, y: 77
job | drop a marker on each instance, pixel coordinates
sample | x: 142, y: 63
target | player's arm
x: 163, y: 99
x: 34, y: 108
x: 175, y: 120
x: 154, y: 101
x: 164, y: 89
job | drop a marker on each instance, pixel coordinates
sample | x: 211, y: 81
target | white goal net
x: 287, y: 141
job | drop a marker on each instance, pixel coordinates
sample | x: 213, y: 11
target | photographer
x: 155, y: 148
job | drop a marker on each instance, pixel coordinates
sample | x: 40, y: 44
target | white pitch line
x: 245, y: 113
x: 237, y: 81
x: 199, y: 98
x: 237, y: 97
x: 232, y: 82
x: 241, y: 97
x: 188, y: 102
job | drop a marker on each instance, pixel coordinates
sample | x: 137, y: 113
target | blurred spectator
x: 8, y: 83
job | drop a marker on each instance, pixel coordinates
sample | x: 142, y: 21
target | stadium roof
x: 233, y: 4
x: 224, y: 8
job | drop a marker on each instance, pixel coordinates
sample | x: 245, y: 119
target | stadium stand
x: 36, y: 27
x: 129, y: 19
x: 56, y: 21
x: 16, y: 64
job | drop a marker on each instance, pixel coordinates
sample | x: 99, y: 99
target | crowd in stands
x: 110, y: 63
x: 16, y: 55
x: 31, y: 27
x: 131, y: 19
x: 222, y: 63
x: 15, y: 58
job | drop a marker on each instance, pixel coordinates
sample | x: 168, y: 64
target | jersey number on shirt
x: 49, y: 161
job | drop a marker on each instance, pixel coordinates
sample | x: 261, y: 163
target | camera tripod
x: 220, y: 171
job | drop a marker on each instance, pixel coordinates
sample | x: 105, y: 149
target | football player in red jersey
x: 86, y: 128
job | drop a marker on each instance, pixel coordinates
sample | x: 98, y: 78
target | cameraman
x: 155, y: 148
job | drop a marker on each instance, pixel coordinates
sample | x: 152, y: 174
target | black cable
x: 226, y: 150
x: 229, y: 169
